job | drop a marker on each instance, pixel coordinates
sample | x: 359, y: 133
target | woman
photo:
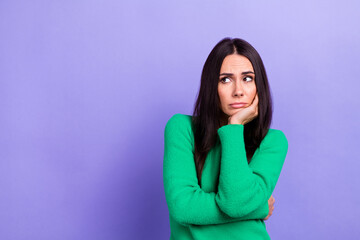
x: 222, y: 163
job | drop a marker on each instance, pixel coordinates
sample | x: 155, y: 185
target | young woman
x: 222, y: 163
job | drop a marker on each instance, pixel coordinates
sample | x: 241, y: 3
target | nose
x: 238, y: 89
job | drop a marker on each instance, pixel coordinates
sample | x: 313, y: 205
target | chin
x: 233, y: 111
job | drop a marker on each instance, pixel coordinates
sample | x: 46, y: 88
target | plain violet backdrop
x: 86, y: 88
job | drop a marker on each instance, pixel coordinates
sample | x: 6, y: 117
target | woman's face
x: 236, y: 84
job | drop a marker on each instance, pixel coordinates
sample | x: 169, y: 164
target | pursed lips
x: 238, y: 105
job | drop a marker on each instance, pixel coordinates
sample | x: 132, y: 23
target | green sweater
x: 233, y: 199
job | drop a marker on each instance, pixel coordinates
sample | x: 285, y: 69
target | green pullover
x: 233, y: 199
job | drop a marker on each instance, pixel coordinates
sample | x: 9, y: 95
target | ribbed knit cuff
x: 232, y: 135
x: 233, y: 149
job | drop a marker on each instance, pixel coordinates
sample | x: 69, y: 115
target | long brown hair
x: 207, y: 114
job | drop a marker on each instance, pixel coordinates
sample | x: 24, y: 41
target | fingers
x: 271, y: 202
x: 256, y: 104
x: 271, y: 199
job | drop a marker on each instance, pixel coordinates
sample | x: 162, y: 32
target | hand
x: 271, y: 202
x: 247, y: 114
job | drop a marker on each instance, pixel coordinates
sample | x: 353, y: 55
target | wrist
x: 235, y: 122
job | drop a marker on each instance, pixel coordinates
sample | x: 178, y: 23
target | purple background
x: 86, y: 88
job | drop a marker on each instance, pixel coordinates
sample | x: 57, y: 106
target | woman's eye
x: 248, y: 79
x: 224, y: 78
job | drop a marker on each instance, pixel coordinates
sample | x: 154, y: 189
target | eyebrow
x: 243, y: 73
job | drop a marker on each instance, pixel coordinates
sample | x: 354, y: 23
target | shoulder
x: 275, y: 139
x: 179, y: 122
x: 178, y: 131
x: 179, y: 119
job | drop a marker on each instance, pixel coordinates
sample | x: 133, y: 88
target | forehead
x: 235, y: 63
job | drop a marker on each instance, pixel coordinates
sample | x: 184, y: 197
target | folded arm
x: 248, y: 185
x: 187, y: 202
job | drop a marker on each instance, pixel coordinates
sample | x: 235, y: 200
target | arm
x: 187, y: 202
x: 248, y: 185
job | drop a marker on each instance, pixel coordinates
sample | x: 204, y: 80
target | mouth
x: 238, y: 105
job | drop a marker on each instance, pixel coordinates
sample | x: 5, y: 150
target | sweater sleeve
x: 187, y: 202
x: 245, y: 187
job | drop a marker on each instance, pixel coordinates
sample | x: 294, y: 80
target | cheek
x: 252, y: 91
